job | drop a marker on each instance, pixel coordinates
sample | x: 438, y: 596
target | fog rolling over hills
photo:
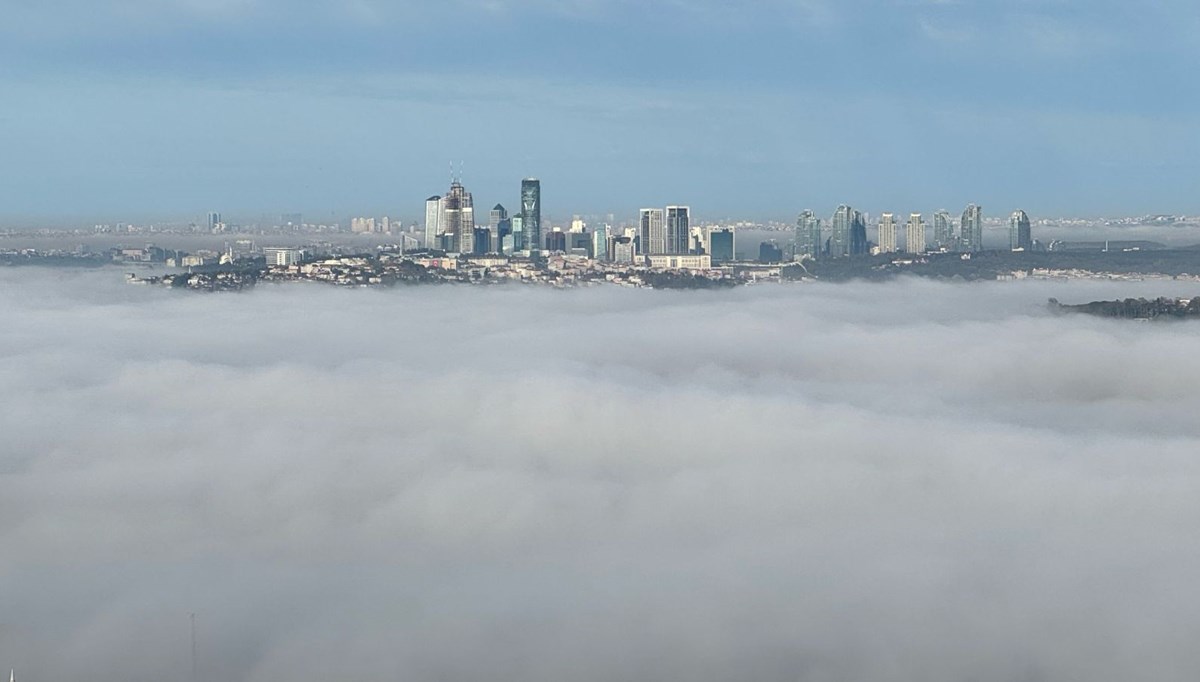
x: 910, y: 481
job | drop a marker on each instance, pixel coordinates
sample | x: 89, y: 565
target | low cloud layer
x: 902, y: 481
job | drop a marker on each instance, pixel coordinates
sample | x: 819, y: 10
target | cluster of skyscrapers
x: 450, y: 226
x: 848, y: 233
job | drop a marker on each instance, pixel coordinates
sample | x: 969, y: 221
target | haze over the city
x: 176, y: 107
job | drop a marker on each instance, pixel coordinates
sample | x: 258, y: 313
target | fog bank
x: 910, y: 480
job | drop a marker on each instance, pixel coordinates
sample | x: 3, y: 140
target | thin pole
x: 195, y: 677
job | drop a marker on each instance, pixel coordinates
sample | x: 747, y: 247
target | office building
x: 281, y: 256
x: 214, y: 221
x: 531, y: 214
x: 556, y: 241
x: 678, y: 232
x: 600, y: 243
x: 914, y: 241
x: 433, y: 221
x: 970, y: 234
x: 1020, y: 232
x: 722, y: 245
x: 652, y: 235
x: 482, y: 244
x: 518, y: 232
x: 769, y: 252
x: 497, y: 215
x: 886, y: 237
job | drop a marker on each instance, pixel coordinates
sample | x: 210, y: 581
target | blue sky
x: 171, y: 107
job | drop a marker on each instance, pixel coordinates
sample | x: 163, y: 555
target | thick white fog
x: 903, y: 481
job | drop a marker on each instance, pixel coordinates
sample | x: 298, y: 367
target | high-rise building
x: 652, y: 233
x: 556, y: 241
x: 1020, y: 232
x: 625, y: 250
x: 497, y: 215
x: 362, y: 225
x: 808, y: 236
x: 943, y: 230
x: 839, y: 241
x: 679, y: 221
x: 214, y: 221
x: 971, y: 230
x: 458, y: 217
x: 433, y: 221
x: 482, y: 242
x: 914, y: 241
x: 600, y: 243
x: 722, y: 245
x: 531, y: 214
x: 769, y: 252
x: 886, y: 238
x: 518, y: 232
x: 859, y: 246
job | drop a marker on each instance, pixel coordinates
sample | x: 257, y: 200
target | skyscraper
x: 458, y: 217
x: 721, y: 245
x: 518, y: 232
x: 679, y: 220
x: 214, y: 221
x: 652, y: 233
x: 433, y: 221
x: 1020, y: 232
x: 839, y: 242
x: 600, y: 243
x: 858, y: 234
x: 496, y: 215
x: 971, y: 229
x: 556, y: 241
x: 887, y: 233
x: 808, y: 235
x: 531, y: 214
x: 914, y: 241
x: 943, y: 230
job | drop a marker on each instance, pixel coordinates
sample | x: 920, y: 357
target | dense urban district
x: 661, y: 248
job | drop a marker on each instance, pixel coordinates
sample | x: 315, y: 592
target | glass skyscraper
x: 679, y: 221
x: 971, y: 229
x: 808, y: 241
x: 721, y: 245
x: 839, y: 241
x: 1020, y: 232
x: 531, y: 213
